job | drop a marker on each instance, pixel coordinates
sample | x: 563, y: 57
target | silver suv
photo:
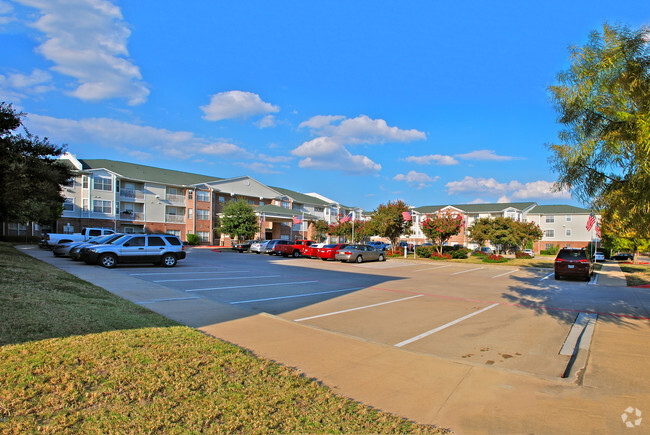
x: 161, y: 249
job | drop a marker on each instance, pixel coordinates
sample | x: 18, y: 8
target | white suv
x: 161, y: 249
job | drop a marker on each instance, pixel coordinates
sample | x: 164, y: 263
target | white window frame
x: 203, y: 195
x: 569, y: 218
x: 68, y: 204
x: 105, y: 208
x: 203, y: 215
x: 550, y: 219
x: 101, y: 183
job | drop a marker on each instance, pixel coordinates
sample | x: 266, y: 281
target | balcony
x: 131, y: 195
x: 174, y: 219
x: 175, y: 199
x: 131, y: 216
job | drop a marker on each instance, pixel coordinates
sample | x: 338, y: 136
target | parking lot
x: 518, y: 319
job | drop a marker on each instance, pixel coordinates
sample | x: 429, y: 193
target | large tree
x: 389, y: 221
x: 603, y: 103
x: 31, y: 175
x: 239, y: 220
x: 441, y: 227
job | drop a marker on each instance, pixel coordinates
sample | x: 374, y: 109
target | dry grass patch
x: 636, y: 274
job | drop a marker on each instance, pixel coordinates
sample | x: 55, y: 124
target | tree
x: 31, y: 175
x: 603, y: 102
x: 480, y: 230
x: 239, y: 220
x: 441, y: 227
x: 527, y: 233
x: 320, y: 229
x: 388, y: 221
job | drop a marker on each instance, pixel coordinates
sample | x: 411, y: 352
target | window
x: 550, y: 219
x: 190, y: 213
x: 68, y: 204
x: 222, y: 199
x: 568, y: 218
x: 204, y: 236
x: 285, y: 204
x: 176, y: 233
x: 202, y: 195
x: 136, y: 241
x: 549, y: 234
x: 173, y: 240
x: 203, y: 215
x: 189, y: 194
x: 100, y: 206
x: 101, y: 183
x: 251, y: 202
x: 568, y: 232
x: 84, y: 181
x: 85, y: 204
x: 549, y: 246
x: 156, y: 241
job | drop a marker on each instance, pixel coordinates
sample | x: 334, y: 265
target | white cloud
x: 328, y: 154
x: 236, y: 104
x: 16, y: 86
x: 259, y: 167
x: 438, y: 159
x: 274, y: 159
x: 86, y: 39
x: 112, y: 133
x: 266, y: 122
x: 512, y: 190
x: 320, y: 121
x: 484, y: 155
x: 6, y: 13
x: 418, y: 179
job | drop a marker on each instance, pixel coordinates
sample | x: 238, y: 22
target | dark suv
x: 163, y: 249
x: 573, y: 262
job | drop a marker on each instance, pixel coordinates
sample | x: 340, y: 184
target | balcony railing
x: 175, y: 219
x: 132, y: 216
x: 175, y: 199
x: 130, y: 194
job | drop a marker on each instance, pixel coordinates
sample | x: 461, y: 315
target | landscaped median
x: 75, y: 358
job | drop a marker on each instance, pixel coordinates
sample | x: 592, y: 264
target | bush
x: 460, y: 253
x: 478, y: 254
x: 424, y: 251
x: 193, y: 239
x: 494, y: 258
x: 520, y: 254
x: 553, y: 250
x: 438, y: 256
x: 397, y: 252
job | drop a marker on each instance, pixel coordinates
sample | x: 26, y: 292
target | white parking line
x: 440, y: 328
x: 468, y: 270
x: 296, y: 296
x: 216, y: 279
x: 185, y: 273
x: 168, y: 299
x: 432, y: 268
x: 594, y: 280
x: 356, y: 309
x: 248, y: 286
x: 547, y: 276
x: 507, y: 273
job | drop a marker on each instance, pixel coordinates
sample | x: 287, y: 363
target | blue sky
x: 363, y: 102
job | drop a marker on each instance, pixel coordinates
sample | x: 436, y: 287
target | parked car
x: 75, y: 252
x: 295, y: 249
x: 328, y: 252
x: 259, y: 247
x: 243, y: 246
x: 573, y: 262
x: 622, y: 256
x: 380, y: 246
x: 312, y: 250
x: 484, y: 249
x: 52, y: 239
x: 598, y: 257
x: 359, y: 254
x: 269, y: 246
x: 530, y: 253
x: 163, y: 249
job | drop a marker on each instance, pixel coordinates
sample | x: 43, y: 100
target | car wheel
x: 168, y: 260
x: 296, y: 254
x: 324, y: 259
x: 557, y: 276
x: 381, y: 257
x: 108, y: 260
x: 359, y: 259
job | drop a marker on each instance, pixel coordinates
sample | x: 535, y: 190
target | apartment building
x: 135, y: 198
x: 562, y: 225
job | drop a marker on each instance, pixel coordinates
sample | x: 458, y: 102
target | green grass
x: 636, y: 274
x: 75, y: 358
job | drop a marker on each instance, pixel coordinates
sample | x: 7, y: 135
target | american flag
x: 597, y: 230
x: 347, y: 218
x: 406, y: 215
x: 297, y: 220
x: 590, y: 222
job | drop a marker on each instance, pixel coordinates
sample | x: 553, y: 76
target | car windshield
x: 121, y: 240
x: 566, y: 254
x: 330, y: 246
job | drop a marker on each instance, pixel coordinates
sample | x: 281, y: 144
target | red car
x: 311, y: 250
x: 328, y: 252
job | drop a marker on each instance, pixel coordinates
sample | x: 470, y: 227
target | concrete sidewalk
x: 467, y: 398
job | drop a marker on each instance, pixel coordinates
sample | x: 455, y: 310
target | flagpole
x: 302, y: 225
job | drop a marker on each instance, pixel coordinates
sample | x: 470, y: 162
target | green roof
x: 281, y: 211
x: 478, y: 208
x: 147, y: 173
x: 559, y: 209
x: 300, y: 197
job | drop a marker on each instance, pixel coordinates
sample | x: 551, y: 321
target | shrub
x: 438, y: 256
x: 397, y: 252
x: 553, y: 250
x: 478, y: 254
x: 424, y: 251
x: 520, y: 254
x: 459, y: 253
x: 193, y: 239
x: 495, y: 259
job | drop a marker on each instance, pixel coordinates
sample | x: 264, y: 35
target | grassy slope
x: 75, y: 358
